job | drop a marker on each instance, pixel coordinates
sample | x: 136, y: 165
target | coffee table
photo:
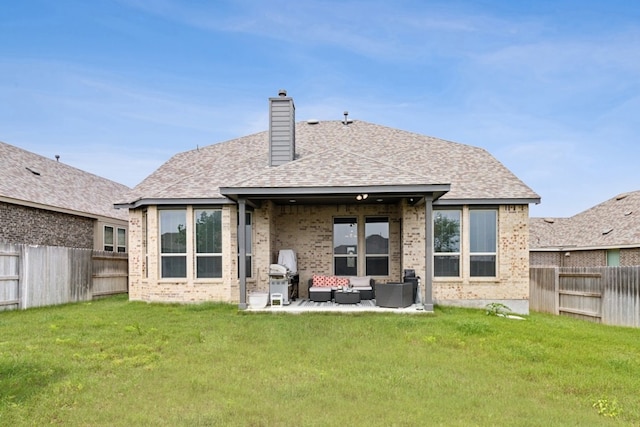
x: 350, y: 297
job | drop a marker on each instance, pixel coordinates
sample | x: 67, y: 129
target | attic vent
x: 607, y: 231
x: 621, y: 196
x: 549, y: 220
x: 627, y: 213
x: 313, y: 121
x: 33, y: 171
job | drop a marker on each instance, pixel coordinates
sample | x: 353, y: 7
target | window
x: 613, y: 257
x: 122, y: 240
x: 345, y: 246
x: 208, y: 225
x: 113, y: 240
x: 483, y: 242
x: 248, y: 243
x: 376, y: 232
x: 446, y: 243
x: 173, y: 243
x: 108, y: 238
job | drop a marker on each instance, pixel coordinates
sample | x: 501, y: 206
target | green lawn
x: 119, y: 363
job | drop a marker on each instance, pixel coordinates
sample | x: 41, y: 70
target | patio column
x: 428, y: 262
x: 242, y: 252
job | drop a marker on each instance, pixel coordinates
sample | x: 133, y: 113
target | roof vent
x: 622, y: 196
x: 346, y: 120
x: 627, y: 213
x: 33, y: 171
x: 313, y: 121
x: 549, y: 220
x: 607, y: 231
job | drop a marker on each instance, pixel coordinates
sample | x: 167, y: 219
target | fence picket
x: 610, y: 295
x: 33, y: 276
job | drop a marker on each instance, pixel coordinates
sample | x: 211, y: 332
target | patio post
x: 428, y: 262
x: 242, y: 252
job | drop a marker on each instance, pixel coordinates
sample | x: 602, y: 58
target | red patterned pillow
x: 332, y: 281
x: 319, y: 281
x: 342, y: 281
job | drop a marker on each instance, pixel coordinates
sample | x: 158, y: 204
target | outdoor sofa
x: 321, y: 288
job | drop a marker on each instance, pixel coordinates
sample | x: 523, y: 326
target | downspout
x: 242, y: 252
x: 428, y: 262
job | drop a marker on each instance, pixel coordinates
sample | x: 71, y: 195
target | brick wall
x: 629, y: 257
x: 308, y: 230
x: 22, y: 224
x: 583, y: 258
x: 545, y: 259
x: 512, y: 282
x: 145, y: 282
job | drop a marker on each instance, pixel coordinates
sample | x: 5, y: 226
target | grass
x: 120, y: 363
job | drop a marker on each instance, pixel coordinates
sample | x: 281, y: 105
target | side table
x: 342, y: 297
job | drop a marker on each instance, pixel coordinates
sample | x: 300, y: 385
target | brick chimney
x: 282, y: 129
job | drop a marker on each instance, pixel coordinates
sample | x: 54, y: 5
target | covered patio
x: 300, y: 306
x: 407, y: 201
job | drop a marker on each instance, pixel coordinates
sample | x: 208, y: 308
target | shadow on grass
x: 20, y: 382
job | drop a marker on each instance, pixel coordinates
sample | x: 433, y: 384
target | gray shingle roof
x: 29, y: 178
x: 331, y: 154
x: 613, y: 223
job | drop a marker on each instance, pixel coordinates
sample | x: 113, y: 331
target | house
x: 46, y: 202
x: 607, y: 234
x: 451, y: 212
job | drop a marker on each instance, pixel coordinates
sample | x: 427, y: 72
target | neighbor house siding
x: 629, y: 257
x: 583, y: 258
x: 540, y: 259
x: 33, y: 226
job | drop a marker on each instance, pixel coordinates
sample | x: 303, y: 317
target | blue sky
x: 116, y: 87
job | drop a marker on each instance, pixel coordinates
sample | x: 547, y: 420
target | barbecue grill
x: 283, y: 276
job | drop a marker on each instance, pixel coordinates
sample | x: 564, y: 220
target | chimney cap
x: 282, y: 92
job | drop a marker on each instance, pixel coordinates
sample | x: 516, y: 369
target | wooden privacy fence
x: 34, y: 276
x: 609, y: 295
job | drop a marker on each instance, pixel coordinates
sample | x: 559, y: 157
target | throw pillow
x: 360, y: 281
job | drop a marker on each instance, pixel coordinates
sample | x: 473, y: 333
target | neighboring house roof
x: 332, y: 154
x: 614, y: 223
x: 33, y: 180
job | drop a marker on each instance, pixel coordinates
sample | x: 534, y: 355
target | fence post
x: 556, y: 291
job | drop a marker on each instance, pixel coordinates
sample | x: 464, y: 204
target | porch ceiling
x: 337, y: 195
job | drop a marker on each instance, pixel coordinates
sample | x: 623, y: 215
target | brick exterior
x: 545, y: 259
x: 629, y: 257
x: 512, y: 282
x: 33, y: 226
x: 145, y: 282
x: 583, y: 258
x: 308, y: 230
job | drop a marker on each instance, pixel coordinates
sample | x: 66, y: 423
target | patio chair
x: 395, y: 295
